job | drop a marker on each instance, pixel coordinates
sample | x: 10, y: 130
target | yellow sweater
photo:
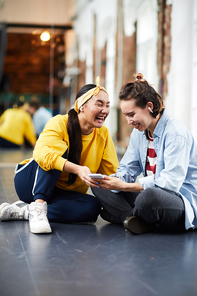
x: 98, y: 152
x: 15, y: 125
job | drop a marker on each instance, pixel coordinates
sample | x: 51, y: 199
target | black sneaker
x: 137, y: 225
x: 109, y: 218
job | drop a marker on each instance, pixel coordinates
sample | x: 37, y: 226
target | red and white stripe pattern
x: 151, y: 159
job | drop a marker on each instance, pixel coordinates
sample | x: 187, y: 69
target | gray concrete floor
x: 90, y: 260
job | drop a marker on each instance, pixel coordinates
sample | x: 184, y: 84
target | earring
x: 150, y: 110
x: 81, y: 108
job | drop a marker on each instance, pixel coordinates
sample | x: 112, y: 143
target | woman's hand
x: 81, y: 171
x: 111, y: 183
x: 114, y: 183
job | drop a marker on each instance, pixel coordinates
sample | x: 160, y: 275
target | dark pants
x: 7, y: 144
x: 153, y: 205
x: 32, y: 182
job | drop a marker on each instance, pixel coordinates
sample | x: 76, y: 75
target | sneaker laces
x: 40, y: 213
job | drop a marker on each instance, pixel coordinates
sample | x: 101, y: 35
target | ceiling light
x: 45, y: 36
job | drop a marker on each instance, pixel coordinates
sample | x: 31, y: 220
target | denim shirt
x: 176, y: 169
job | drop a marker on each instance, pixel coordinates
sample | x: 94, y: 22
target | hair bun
x: 139, y: 76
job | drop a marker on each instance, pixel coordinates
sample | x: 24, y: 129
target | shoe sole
x: 41, y: 230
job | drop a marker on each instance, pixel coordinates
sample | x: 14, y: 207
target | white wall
x: 182, y: 91
x: 147, y: 35
x: 194, y: 73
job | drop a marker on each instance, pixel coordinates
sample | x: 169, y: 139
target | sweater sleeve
x: 52, y: 144
x: 109, y: 161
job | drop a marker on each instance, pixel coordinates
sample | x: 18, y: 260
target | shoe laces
x: 40, y: 213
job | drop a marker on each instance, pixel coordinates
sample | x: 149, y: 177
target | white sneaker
x: 38, y: 218
x: 16, y: 211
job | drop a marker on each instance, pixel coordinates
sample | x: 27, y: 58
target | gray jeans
x: 153, y: 205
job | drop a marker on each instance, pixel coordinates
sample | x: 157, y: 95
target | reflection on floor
x: 90, y: 260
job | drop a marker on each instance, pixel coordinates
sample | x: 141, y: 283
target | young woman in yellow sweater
x: 53, y: 184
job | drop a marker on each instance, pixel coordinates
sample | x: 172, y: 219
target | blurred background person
x: 16, y: 127
x: 40, y: 115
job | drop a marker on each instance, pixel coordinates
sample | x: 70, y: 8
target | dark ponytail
x: 74, y: 133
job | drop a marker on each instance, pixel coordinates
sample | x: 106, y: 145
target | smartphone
x: 96, y: 176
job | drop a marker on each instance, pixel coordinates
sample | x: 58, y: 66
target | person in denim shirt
x: 166, y: 196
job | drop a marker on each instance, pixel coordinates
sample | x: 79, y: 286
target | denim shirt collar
x: 160, y: 124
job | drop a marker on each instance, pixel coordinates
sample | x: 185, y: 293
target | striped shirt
x: 151, y: 159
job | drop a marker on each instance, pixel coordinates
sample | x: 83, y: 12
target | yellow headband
x: 85, y: 97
